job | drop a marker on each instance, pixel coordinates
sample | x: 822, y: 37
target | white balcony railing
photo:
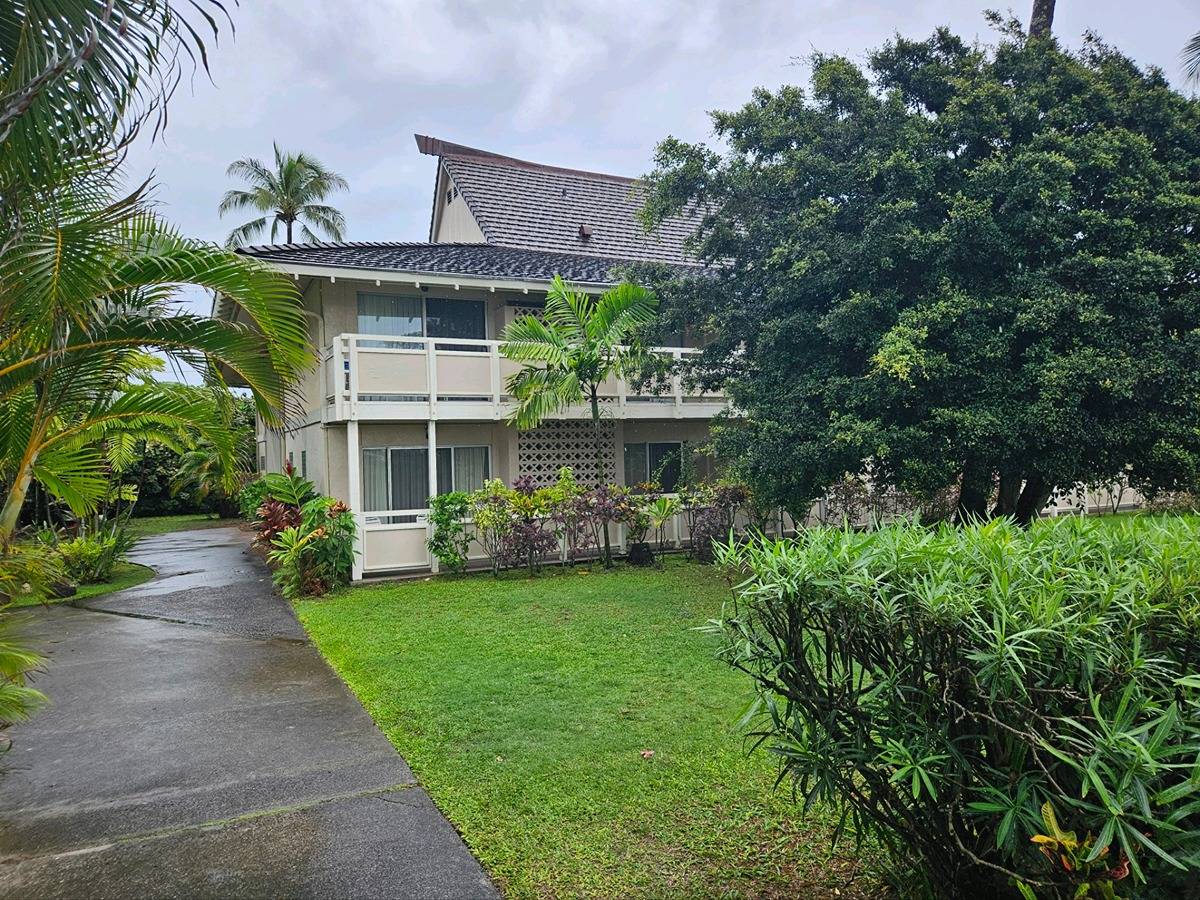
x: 372, y: 377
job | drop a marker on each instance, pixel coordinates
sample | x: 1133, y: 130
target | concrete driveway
x: 198, y: 746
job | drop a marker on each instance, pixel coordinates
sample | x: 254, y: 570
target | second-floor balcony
x: 419, y: 378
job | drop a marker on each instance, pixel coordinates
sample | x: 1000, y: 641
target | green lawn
x: 524, y: 705
x: 166, y: 524
x: 124, y: 575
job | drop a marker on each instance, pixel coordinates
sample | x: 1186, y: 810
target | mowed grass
x: 124, y: 575
x: 166, y: 524
x: 524, y: 707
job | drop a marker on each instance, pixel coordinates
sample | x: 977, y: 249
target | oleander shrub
x: 1011, y: 711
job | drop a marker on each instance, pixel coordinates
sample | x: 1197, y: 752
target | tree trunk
x: 1010, y: 490
x: 288, y: 224
x: 13, y: 503
x: 1029, y: 505
x: 973, y: 494
x: 595, y: 400
x: 1041, y: 20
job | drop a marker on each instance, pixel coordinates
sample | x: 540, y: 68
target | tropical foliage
x: 289, y: 193
x: 317, y: 554
x: 578, y: 343
x: 978, y: 695
x: 961, y: 265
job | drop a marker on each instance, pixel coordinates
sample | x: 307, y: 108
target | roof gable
x: 522, y: 204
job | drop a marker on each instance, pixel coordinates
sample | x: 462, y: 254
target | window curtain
x: 445, y: 467
x: 635, y: 464
x: 375, y: 480
x: 410, y: 479
x: 470, y: 468
x: 389, y: 314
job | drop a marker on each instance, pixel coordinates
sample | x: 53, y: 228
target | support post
x: 354, y: 474
x: 431, y: 431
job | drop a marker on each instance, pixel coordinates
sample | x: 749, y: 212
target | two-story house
x: 409, y: 398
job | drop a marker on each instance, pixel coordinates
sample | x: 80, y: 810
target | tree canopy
x: 960, y: 264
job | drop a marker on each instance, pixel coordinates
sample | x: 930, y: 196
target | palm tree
x: 287, y: 195
x: 582, y: 342
x: 87, y: 290
x: 1191, y: 59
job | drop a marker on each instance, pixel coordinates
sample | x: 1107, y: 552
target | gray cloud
x: 582, y: 84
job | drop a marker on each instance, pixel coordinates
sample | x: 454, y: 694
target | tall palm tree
x: 579, y: 343
x: 288, y: 194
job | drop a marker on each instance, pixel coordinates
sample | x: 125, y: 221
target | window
x: 395, y: 315
x: 456, y: 319
x: 303, y: 463
x: 398, y: 477
x: 392, y: 315
x: 654, y: 461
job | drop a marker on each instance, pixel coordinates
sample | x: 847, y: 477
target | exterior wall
x: 453, y: 222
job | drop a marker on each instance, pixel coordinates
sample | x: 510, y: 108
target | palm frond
x: 1191, y: 58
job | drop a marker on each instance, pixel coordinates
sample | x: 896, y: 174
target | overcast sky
x: 590, y: 85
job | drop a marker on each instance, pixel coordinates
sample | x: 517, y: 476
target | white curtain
x: 375, y: 484
x: 470, y: 468
x: 389, y: 314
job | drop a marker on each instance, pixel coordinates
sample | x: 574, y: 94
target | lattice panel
x: 544, y: 450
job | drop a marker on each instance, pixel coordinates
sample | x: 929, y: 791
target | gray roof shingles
x: 472, y: 260
x: 523, y: 204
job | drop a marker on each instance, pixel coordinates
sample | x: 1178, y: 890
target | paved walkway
x: 197, y: 745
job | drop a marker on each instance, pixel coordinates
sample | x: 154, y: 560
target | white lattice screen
x: 542, y: 451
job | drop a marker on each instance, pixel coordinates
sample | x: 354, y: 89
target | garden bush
x: 317, y: 554
x: 90, y: 559
x: 251, y: 497
x: 449, y: 541
x: 1008, y: 710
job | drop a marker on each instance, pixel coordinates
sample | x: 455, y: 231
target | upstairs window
x: 399, y: 315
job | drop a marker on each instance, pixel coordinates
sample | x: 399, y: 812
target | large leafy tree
x: 578, y: 343
x: 287, y: 193
x: 962, y: 265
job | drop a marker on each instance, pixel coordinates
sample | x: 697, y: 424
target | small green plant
x: 251, y: 497
x: 662, y: 512
x: 940, y: 687
x: 449, y: 541
x: 288, y: 487
x: 90, y: 559
x: 318, y: 554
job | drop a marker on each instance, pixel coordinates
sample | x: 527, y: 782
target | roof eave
x: 423, y: 277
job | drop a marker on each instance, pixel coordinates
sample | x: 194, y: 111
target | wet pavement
x: 198, y: 746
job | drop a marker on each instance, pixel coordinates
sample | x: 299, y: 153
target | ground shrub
x: 317, y: 554
x: 1003, y: 707
x: 251, y: 497
x: 449, y: 541
x: 90, y: 559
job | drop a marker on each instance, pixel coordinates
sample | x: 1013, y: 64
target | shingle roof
x: 524, y: 204
x: 479, y: 260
